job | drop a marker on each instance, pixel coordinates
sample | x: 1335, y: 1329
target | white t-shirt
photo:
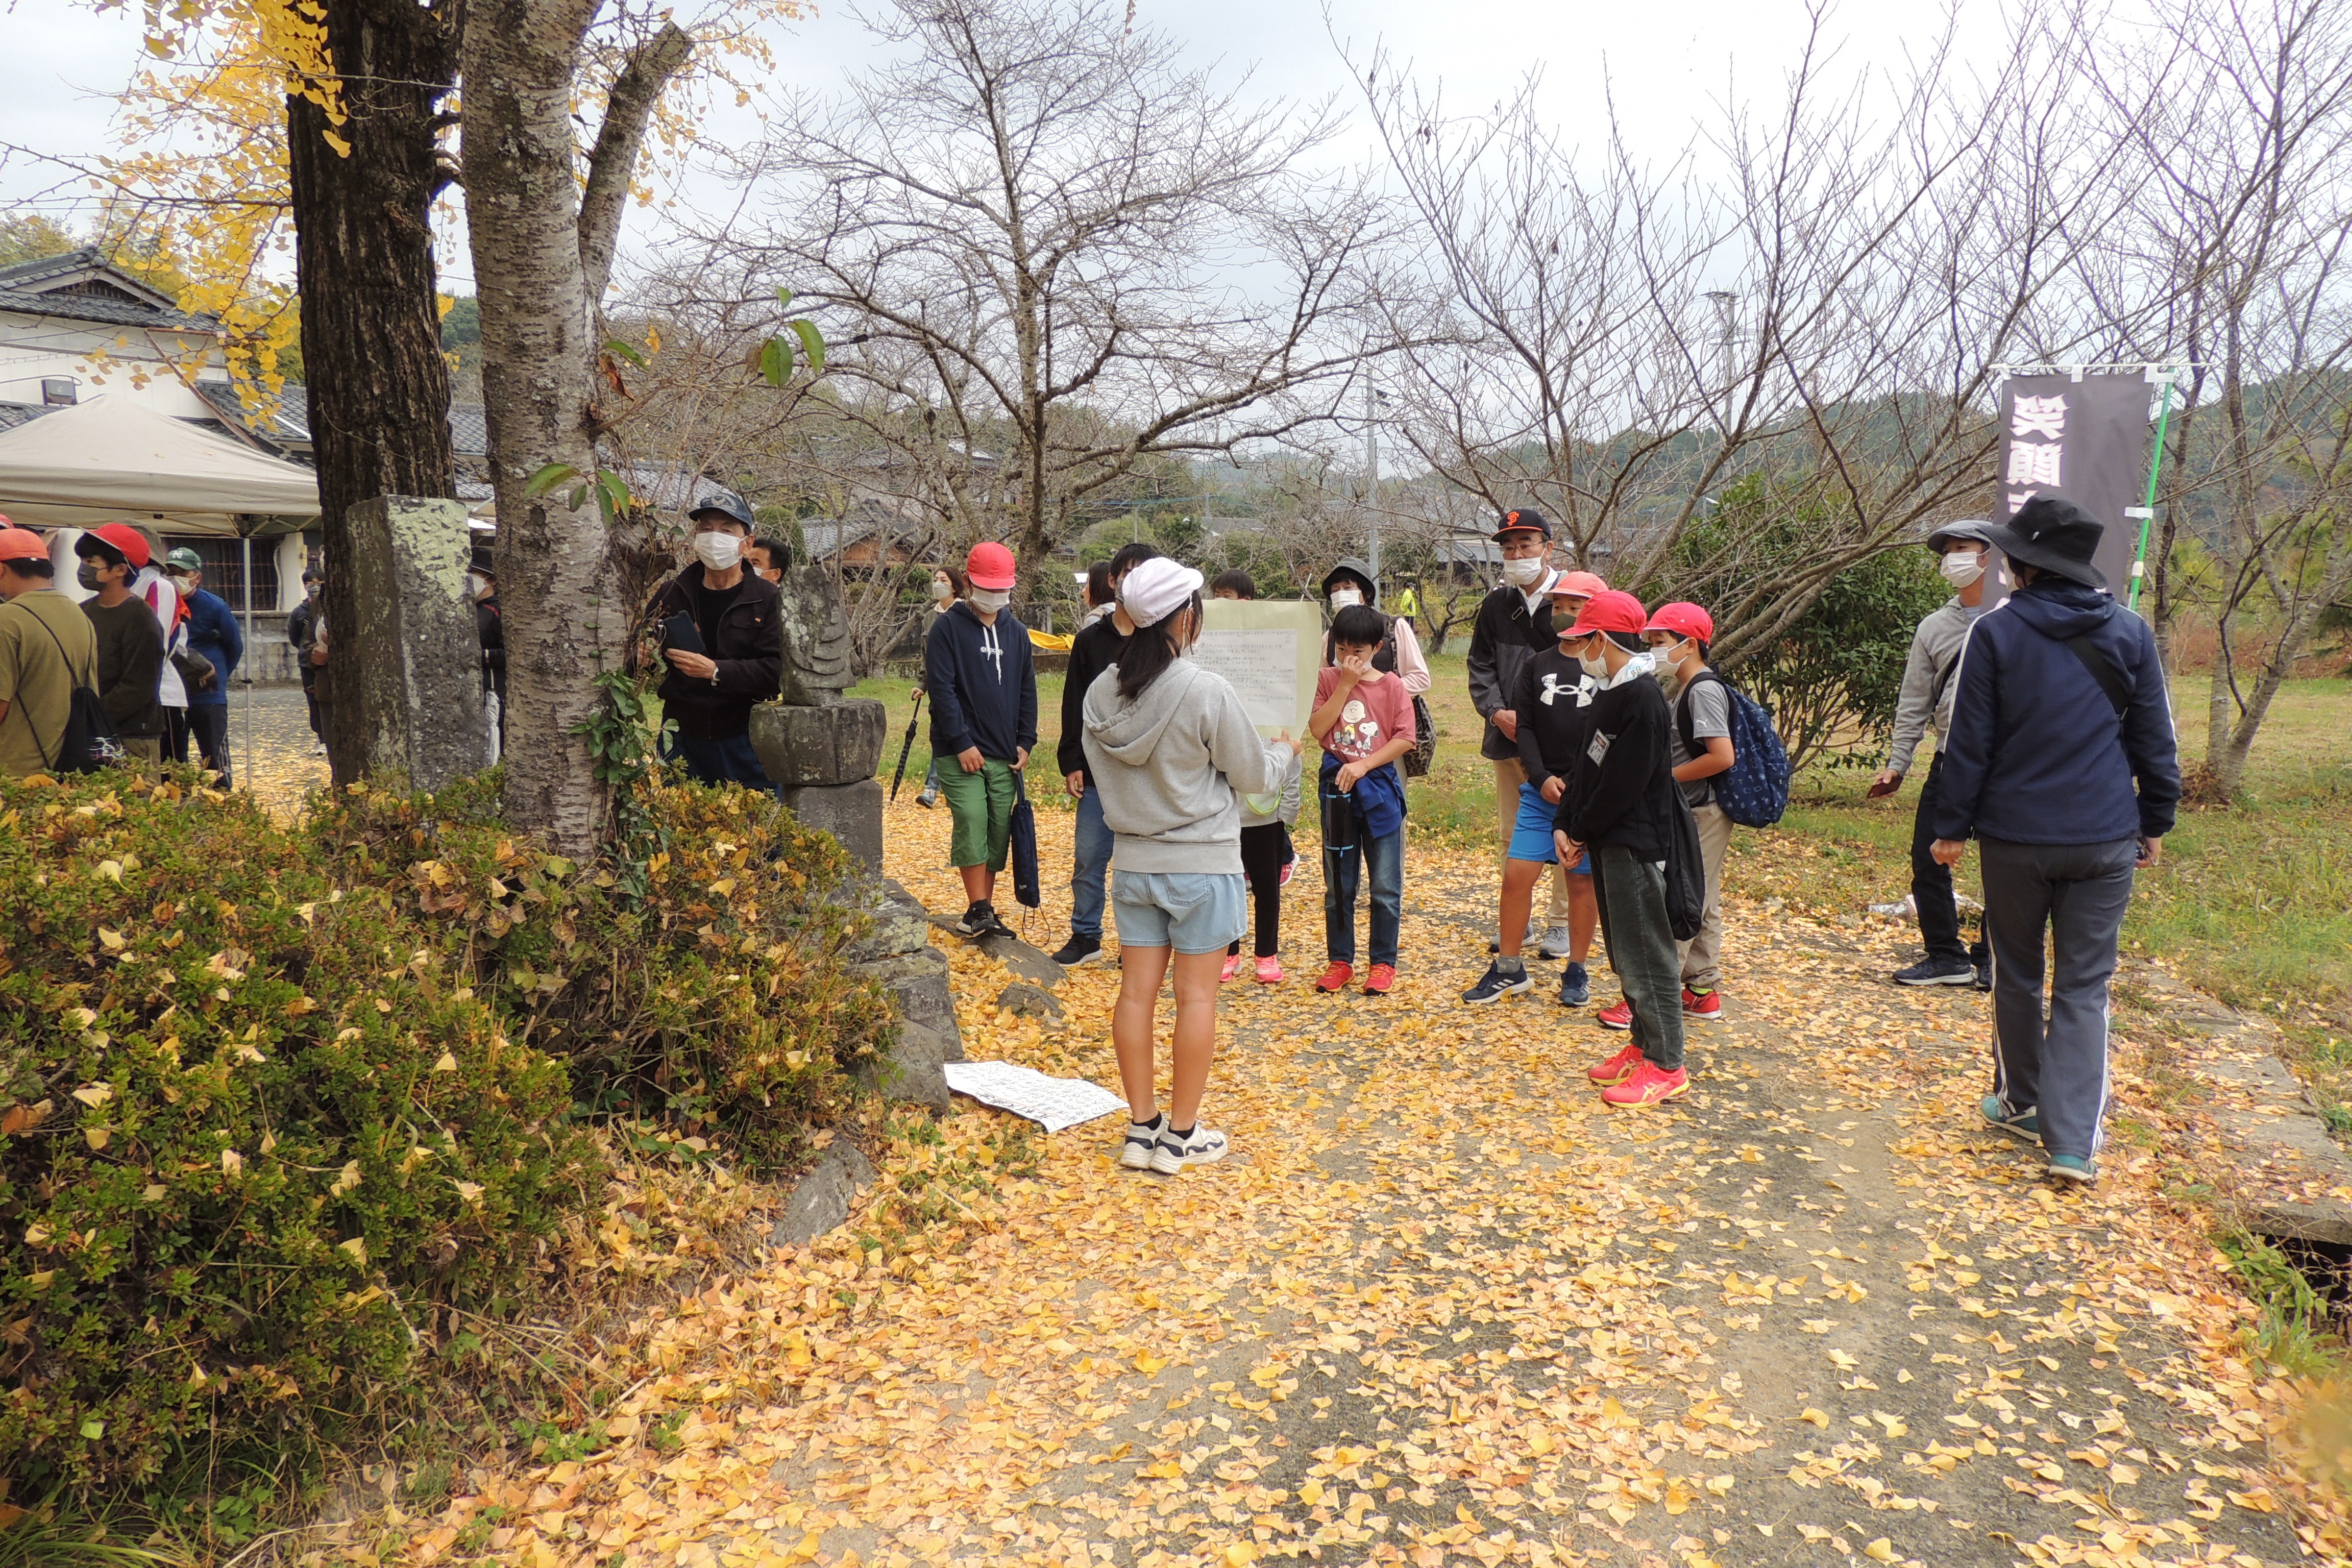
x: 165, y: 599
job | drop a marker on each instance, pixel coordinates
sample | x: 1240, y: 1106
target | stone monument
x: 820, y: 746
x: 823, y: 747
x: 417, y: 653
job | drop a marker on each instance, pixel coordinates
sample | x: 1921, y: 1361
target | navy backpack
x: 1754, y: 791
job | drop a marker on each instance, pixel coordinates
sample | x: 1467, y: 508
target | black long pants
x: 176, y: 735
x: 208, y: 724
x: 1931, y: 884
x: 1264, y: 850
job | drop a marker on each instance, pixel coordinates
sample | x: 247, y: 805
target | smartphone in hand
x: 1888, y: 787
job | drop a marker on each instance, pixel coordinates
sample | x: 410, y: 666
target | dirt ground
x: 1441, y: 1306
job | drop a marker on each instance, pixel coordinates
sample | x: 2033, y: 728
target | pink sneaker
x: 1288, y: 868
x: 1269, y: 971
x: 1647, y: 1086
x: 1232, y: 967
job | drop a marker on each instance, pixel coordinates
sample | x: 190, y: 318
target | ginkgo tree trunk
x: 542, y: 245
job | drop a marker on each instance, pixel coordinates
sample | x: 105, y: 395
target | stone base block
x: 928, y: 1034
x: 821, y: 1199
x: 838, y: 743
x: 851, y: 813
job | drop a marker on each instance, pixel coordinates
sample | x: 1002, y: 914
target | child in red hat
x: 1699, y: 745
x: 1619, y: 807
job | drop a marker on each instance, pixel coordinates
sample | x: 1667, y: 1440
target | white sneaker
x: 1205, y: 1147
x: 1555, y: 943
x: 1142, y: 1138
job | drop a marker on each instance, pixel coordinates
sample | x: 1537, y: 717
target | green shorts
x: 981, y: 804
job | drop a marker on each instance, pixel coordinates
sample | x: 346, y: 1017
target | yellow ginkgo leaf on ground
x: 1880, y: 1551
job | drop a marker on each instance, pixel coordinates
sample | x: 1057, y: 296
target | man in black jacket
x: 2061, y: 761
x: 725, y: 644
x: 1514, y: 624
x: 1092, y: 651
x: 297, y: 633
x: 1620, y: 808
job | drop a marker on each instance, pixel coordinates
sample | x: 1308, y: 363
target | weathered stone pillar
x: 413, y: 658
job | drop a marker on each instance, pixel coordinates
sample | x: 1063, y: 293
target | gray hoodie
x: 1169, y: 765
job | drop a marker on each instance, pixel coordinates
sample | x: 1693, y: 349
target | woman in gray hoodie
x: 1171, y: 748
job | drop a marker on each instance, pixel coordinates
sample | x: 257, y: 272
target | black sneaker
x: 1575, y: 986
x: 1983, y: 981
x: 1078, y: 950
x: 1500, y: 982
x: 1938, y: 972
x: 981, y: 919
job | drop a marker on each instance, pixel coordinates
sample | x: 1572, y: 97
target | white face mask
x: 1342, y: 598
x: 1961, y: 567
x: 1523, y: 574
x: 943, y: 591
x: 478, y: 585
x: 990, y: 600
x: 717, y: 551
x: 1593, y: 666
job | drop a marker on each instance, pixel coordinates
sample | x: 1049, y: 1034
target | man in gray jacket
x: 1965, y: 549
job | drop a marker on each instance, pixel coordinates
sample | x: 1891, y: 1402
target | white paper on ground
x: 1055, y: 1104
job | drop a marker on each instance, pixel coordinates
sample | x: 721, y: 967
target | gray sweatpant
x: 2055, y: 1066
x: 1632, y: 894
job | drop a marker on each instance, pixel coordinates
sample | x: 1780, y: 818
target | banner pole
x: 2147, y: 508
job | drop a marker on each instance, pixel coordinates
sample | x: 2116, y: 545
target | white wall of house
x: 105, y: 361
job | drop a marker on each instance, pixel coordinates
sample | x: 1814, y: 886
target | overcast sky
x: 1667, y: 63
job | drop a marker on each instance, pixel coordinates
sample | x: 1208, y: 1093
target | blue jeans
x: 1091, y: 864
x: 1341, y: 871
x: 725, y: 761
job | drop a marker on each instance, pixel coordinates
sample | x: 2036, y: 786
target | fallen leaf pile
x: 1440, y: 1306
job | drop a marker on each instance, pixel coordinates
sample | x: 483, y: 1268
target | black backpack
x: 88, y: 743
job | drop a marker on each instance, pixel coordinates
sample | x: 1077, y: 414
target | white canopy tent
x: 112, y: 459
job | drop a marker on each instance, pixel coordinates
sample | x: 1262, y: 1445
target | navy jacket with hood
x: 2036, y: 754
x: 982, y: 684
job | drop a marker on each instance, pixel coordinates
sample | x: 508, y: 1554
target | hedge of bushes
x: 271, y: 1096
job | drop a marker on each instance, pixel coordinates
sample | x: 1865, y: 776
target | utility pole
x: 1372, y: 400
x: 1727, y: 321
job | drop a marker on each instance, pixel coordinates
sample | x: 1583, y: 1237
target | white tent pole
x: 245, y: 542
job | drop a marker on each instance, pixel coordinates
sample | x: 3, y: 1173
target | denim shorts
x: 1193, y: 911
x: 1531, y: 832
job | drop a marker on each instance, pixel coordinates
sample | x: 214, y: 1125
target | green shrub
x: 719, y: 1001
x: 253, y: 1127
x: 271, y: 1099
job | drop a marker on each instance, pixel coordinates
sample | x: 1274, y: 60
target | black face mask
x: 88, y: 577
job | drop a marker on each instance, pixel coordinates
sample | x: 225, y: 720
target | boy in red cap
x: 46, y: 648
x: 982, y: 684
x: 129, y: 638
x: 1700, y: 747
x: 1619, y: 807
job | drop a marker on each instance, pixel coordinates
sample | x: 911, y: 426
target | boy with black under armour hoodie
x: 982, y: 683
x: 1619, y: 807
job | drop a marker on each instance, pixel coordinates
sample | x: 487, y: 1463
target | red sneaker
x: 1617, y: 1068
x: 1702, y: 1004
x: 1618, y: 1017
x: 1647, y: 1086
x: 1232, y: 967
x: 1335, y: 978
x: 1382, y: 980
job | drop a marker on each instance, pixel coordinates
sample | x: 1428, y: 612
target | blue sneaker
x: 2074, y: 1168
x: 1500, y: 982
x: 1575, y: 986
x: 2023, y: 1125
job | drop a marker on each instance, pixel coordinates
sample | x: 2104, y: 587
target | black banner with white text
x: 2086, y: 440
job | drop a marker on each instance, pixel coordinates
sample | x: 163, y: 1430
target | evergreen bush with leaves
x: 1831, y: 679
x: 272, y: 1098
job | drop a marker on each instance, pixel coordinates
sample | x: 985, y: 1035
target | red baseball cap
x: 1578, y: 586
x: 990, y: 566
x: 1685, y: 620
x: 123, y: 538
x: 21, y: 543
x: 1610, y: 610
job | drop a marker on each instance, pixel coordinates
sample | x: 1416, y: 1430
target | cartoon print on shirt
x: 1358, y: 733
